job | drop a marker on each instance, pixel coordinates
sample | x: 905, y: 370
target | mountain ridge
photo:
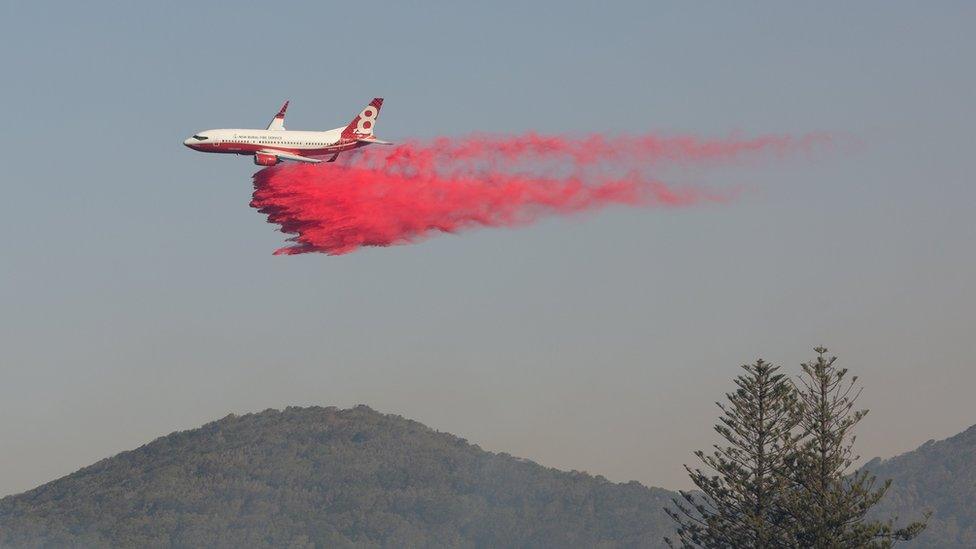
x: 317, y: 476
x: 329, y: 477
x: 938, y: 476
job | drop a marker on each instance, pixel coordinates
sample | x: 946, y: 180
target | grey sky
x: 138, y: 293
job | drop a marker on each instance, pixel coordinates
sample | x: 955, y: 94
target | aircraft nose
x: 188, y: 142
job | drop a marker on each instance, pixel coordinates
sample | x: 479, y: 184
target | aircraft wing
x: 278, y: 122
x: 289, y: 156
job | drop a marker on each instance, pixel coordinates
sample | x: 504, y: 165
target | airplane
x: 274, y: 144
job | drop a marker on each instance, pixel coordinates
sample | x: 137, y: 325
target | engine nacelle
x: 265, y: 159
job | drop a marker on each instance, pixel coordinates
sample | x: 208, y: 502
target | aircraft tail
x: 362, y: 126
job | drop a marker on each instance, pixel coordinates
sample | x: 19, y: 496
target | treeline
x: 783, y: 475
x: 324, y: 477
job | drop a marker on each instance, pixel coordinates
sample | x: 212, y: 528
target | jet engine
x: 265, y: 159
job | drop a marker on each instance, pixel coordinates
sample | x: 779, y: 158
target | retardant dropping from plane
x: 398, y: 195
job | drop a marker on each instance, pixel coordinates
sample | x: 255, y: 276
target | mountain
x: 325, y: 477
x: 939, y: 477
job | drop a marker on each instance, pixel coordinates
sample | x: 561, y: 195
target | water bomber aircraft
x: 274, y: 144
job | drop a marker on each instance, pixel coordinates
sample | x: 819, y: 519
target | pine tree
x: 741, y: 504
x: 828, y: 503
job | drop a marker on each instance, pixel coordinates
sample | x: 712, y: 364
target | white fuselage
x: 275, y: 143
x: 250, y: 141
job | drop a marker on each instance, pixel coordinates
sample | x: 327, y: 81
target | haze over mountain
x: 325, y: 477
x: 937, y: 476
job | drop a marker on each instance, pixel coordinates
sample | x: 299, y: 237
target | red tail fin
x: 362, y: 125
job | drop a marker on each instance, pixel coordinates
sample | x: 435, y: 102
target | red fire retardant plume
x: 385, y: 196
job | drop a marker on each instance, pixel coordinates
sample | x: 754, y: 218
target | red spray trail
x: 384, y: 197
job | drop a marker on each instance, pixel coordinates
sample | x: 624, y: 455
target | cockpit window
x: 199, y: 137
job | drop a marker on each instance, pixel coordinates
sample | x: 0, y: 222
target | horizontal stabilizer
x: 374, y: 141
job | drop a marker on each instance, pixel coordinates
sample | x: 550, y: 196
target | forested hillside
x: 324, y: 477
x: 937, y: 476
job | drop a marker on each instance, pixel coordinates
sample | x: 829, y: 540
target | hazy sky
x: 138, y: 293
